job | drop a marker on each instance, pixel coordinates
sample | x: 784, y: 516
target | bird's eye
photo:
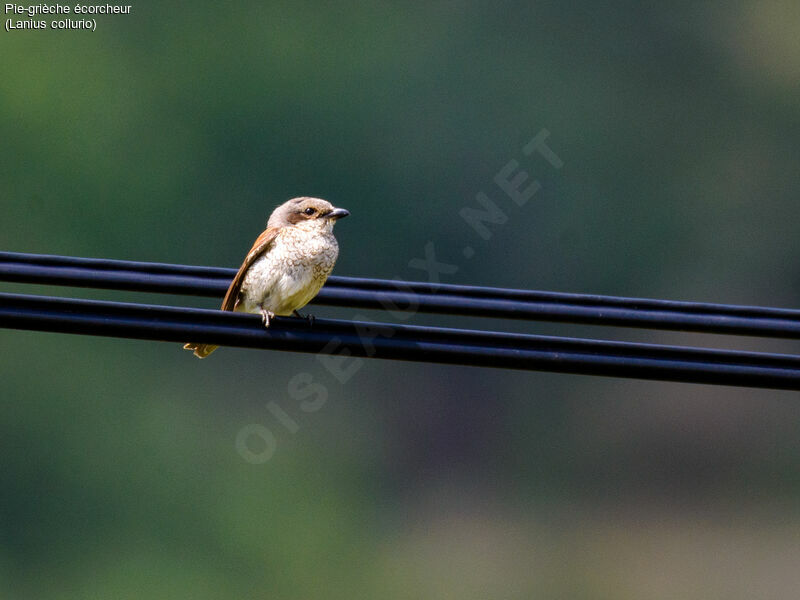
x: 310, y: 211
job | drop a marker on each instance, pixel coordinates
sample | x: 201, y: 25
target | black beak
x: 338, y: 213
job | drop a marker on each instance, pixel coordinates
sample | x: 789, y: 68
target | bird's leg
x: 266, y: 315
x: 309, y: 317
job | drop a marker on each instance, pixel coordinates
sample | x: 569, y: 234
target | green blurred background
x: 170, y: 134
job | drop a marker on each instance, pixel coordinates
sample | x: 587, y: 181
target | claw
x: 309, y: 318
x: 266, y: 315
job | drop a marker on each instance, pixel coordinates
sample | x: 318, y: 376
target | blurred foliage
x: 170, y: 134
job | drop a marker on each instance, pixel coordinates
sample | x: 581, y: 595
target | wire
x: 402, y: 342
x: 417, y: 296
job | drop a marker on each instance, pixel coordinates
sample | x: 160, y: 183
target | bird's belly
x: 282, y: 285
x: 293, y: 291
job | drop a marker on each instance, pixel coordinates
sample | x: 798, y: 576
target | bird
x: 287, y: 265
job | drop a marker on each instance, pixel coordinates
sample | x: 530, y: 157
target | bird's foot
x: 309, y: 318
x: 266, y: 315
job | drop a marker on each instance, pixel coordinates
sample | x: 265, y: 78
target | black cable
x: 402, y: 342
x: 417, y: 296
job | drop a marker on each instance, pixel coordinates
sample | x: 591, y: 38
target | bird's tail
x: 201, y: 350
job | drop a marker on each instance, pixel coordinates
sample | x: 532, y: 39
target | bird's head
x: 307, y: 213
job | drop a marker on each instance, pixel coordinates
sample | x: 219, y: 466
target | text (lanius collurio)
x: 57, y: 16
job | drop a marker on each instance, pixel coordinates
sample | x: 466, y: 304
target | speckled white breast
x: 291, y: 272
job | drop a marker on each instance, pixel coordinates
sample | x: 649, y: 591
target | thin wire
x: 418, y: 296
x: 402, y: 342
